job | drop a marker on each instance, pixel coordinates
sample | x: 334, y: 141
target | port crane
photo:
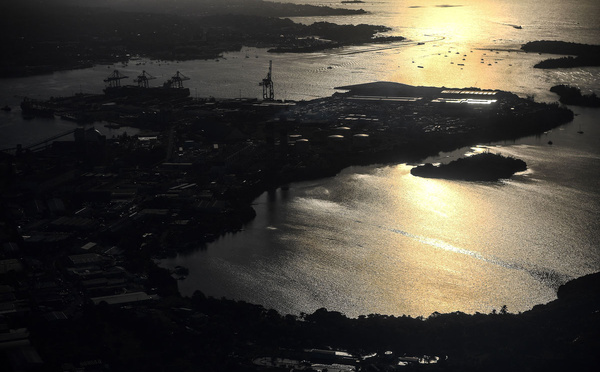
x: 176, y: 81
x: 114, y: 79
x: 267, y: 84
x: 142, y: 80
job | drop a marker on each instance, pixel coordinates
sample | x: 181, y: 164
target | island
x: 485, y: 166
x: 585, y: 54
x: 572, y: 96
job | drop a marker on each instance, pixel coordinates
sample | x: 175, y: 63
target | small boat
x: 518, y: 27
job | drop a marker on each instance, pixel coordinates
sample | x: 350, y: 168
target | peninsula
x: 572, y: 96
x: 224, y: 153
x: 585, y: 54
x: 84, y: 221
x: 481, y: 167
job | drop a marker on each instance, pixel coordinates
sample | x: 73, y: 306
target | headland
x: 572, y: 96
x: 585, y: 54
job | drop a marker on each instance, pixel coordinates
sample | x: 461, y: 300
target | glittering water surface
x: 376, y: 239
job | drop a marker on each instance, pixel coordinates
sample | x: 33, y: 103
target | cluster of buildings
x: 327, y: 360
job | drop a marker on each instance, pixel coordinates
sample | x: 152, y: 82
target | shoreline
x: 322, y: 154
x: 287, y: 147
x: 131, y: 200
x: 109, y: 36
x: 586, y: 55
x: 84, y: 223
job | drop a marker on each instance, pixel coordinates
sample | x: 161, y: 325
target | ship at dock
x: 172, y: 88
x: 31, y: 108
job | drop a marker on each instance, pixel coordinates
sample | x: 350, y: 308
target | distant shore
x: 311, y: 46
x: 585, y: 54
x: 74, y: 37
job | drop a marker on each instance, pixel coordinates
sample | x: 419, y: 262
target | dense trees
x: 204, y: 333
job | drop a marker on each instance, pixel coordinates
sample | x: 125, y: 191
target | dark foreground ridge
x: 480, y: 167
x: 200, y: 333
x: 82, y: 223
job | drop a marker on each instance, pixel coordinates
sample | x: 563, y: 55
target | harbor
x: 260, y: 190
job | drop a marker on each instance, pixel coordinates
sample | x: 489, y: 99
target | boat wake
x: 548, y: 277
x: 518, y: 27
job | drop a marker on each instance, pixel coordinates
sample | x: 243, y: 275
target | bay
x: 376, y: 239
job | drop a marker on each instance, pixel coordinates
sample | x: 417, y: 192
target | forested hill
x: 207, y: 334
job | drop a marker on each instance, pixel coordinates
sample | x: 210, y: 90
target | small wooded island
x: 481, y: 167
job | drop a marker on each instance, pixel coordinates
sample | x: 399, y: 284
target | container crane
x: 114, y: 79
x: 176, y: 81
x: 142, y: 80
x: 267, y: 84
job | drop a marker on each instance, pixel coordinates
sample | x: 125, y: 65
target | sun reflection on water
x: 441, y: 268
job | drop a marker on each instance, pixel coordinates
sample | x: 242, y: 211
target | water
x: 378, y: 240
x: 375, y: 239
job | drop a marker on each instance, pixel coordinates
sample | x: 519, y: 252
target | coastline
x: 271, y: 159
x: 408, y: 142
x: 53, y: 299
x: 180, y: 327
x: 110, y: 37
x: 572, y: 96
x: 84, y: 224
x: 585, y: 54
